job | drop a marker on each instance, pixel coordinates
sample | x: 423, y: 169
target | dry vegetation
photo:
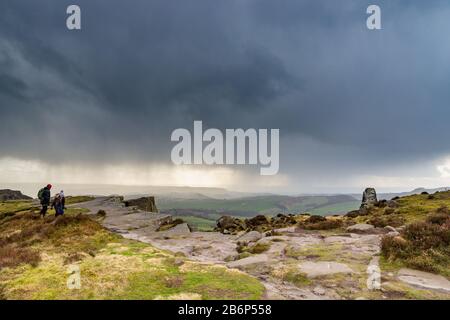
x: 35, y: 254
x: 423, y: 245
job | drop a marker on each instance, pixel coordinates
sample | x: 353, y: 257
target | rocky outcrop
x: 7, y: 194
x: 369, y: 198
x: 283, y: 221
x: 145, y: 203
x: 230, y: 225
x: 260, y: 223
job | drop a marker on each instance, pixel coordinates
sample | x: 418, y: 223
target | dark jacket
x: 46, y: 197
x: 58, y: 205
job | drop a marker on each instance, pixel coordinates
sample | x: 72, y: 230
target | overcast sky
x: 354, y: 107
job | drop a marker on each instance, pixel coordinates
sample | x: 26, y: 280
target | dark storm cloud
x: 115, y: 90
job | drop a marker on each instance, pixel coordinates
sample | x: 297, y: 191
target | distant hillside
x: 389, y: 196
x: 203, y: 214
x: 7, y: 195
x: 129, y: 191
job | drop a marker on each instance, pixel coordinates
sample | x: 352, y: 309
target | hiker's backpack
x: 41, y: 194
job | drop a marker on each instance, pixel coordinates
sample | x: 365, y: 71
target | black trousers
x: 44, y: 209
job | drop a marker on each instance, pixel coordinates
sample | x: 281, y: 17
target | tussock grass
x: 423, y: 245
x: 35, y: 255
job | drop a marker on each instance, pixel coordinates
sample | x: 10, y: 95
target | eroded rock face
x: 145, y: 203
x: 257, y: 221
x: 7, y: 194
x: 283, y: 221
x: 227, y: 224
x: 369, y: 198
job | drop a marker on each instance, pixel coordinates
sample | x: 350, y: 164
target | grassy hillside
x: 270, y: 205
x: 36, y: 254
x: 424, y: 241
x: 202, y: 214
x: 197, y: 223
x: 338, y: 208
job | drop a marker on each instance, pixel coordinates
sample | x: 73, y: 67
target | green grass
x: 267, y: 205
x: 78, y: 199
x: 199, y: 224
x: 338, y: 208
x: 111, y: 267
x: 9, y: 208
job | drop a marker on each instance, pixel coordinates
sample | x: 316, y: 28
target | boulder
x: 259, y: 220
x: 369, y: 198
x: 360, y: 228
x: 252, y: 260
x: 283, y: 221
x: 145, y: 203
x: 251, y: 236
x: 229, y: 225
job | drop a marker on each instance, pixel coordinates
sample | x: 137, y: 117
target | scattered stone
x: 323, y: 268
x: 281, y: 220
x: 169, y: 224
x: 393, y: 234
x: 259, y: 223
x: 320, y: 291
x: 360, y: 228
x: 356, y: 213
x: 230, y: 225
x: 390, y: 229
x: 424, y: 279
x: 101, y: 213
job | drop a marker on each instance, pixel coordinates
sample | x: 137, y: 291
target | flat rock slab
x: 323, y: 268
x: 361, y: 228
x: 260, y: 258
x: 135, y: 220
x: 287, y: 230
x: 424, y: 279
x: 178, y: 230
x: 251, y: 236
